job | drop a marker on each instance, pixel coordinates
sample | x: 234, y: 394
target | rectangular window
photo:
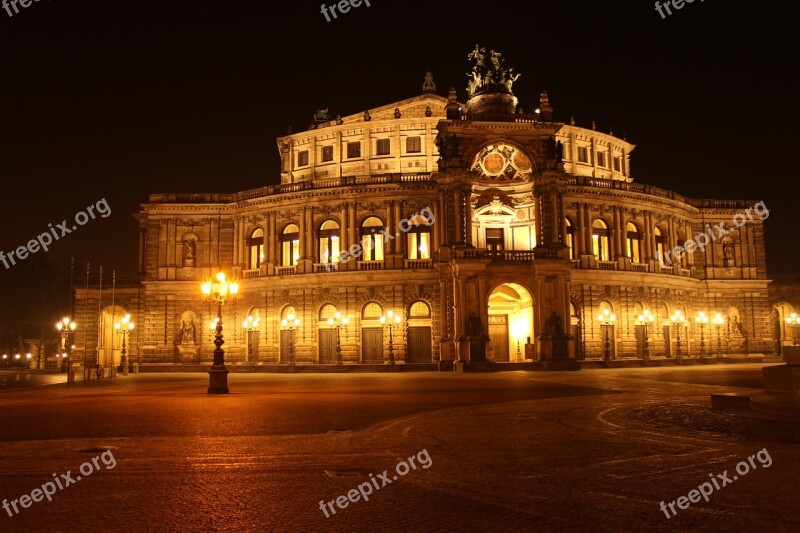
x: 383, y: 147
x: 353, y: 150
x: 419, y: 245
x: 601, y: 159
x: 327, y: 154
x: 302, y: 158
x: 617, y: 164
x: 583, y: 154
x: 372, y: 246
x: 413, y: 145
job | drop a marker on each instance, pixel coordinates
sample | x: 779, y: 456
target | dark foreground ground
x: 519, y: 451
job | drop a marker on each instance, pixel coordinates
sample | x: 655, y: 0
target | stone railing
x: 286, y: 270
x: 326, y: 267
x: 418, y: 263
x: 250, y: 274
x: 370, y: 265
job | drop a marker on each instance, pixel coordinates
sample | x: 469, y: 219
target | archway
x: 109, y: 351
x: 510, y: 322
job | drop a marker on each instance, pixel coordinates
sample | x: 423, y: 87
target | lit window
x: 372, y: 311
x: 327, y: 154
x: 383, y: 147
x: 372, y: 239
x: 659, y: 244
x: 569, y: 240
x: 634, y: 243
x: 413, y: 145
x: 353, y: 150
x: 419, y: 309
x: 600, y: 241
x: 290, y: 245
x: 256, y: 246
x: 419, y: 238
x: 302, y: 158
x: 329, y: 242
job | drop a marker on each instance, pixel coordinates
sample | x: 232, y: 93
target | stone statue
x: 187, y: 331
x: 489, y: 73
x: 189, y: 253
x: 321, y: 115
x: 428, y: 86
x: 727, y: 252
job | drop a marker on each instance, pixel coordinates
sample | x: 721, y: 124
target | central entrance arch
x: 510, y: 321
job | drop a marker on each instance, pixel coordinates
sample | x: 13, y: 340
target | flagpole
x: 100, y: 321
x: 113, y: 318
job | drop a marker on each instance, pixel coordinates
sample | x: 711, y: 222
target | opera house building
x: 433, y: 230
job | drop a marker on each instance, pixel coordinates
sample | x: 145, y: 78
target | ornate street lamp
x: 794, y: 321
x: 123, y: 327
x: 701, y: 319
x: 718, y: 321
x: 645, y: 319
x: 607, y: 320
x: 391, y: 320
x: 65, y: 326
x: 338, y: 321
x: 290, y: 324
x: 219, y: 291
x: 678, y: 320
x: 249, y: 324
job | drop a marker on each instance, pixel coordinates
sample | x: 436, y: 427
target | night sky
x: 109, y: 99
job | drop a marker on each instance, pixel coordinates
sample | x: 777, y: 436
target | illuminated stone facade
x: 499, y: 223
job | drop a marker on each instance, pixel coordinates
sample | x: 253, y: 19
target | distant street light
x: 290, y: 324
x: 718, y: 321
x: 391, y: 320
x: 250, y: 325
x: 678, y: 320
x: 701, y: 319
x: 124, y: 327
x: 65, y: 327
x: 646, y: 319
x: 338, y: 321
x: 219, y: 291
x: 607, y: 320
x: 794, y: 321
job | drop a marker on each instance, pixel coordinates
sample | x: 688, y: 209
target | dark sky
x: 110, y: 99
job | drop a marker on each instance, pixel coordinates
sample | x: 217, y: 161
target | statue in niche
x: 728, y: 253
x: 189, y: 253
x: 187, y: 332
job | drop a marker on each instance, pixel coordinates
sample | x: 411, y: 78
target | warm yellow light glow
x: 206, y: 288
x: 330, y: 321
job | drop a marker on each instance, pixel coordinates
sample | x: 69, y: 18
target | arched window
x: 327, y: 311
x: 659, y: 244
x: 419, y: 309
x: 634, y: 243
x: 372, y: 239
x: 256, y: 246
x: 569, y: 239
x: 600, y: 241
x: 372, y: 311
x: 419, y: 238
x: 290, y: 245
x: 329, y: 242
